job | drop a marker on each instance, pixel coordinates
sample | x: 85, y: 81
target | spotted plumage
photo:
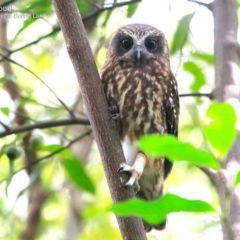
x: 142, y: 92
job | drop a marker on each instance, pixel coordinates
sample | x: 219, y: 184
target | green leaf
x: 181, y: 33
x: 206, y: 57
x: 221, y: 132
x: 196, y: 71
x: 5, y: 111
x: 77, y: 174
x: 175, y: 150
x: 131, y: 9
x: 155, y: 211
x: 237, y: 180
x: 50, y: 148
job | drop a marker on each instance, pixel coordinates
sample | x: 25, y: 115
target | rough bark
x: 105, y: 135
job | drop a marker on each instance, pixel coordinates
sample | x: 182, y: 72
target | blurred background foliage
x: 64, y: 160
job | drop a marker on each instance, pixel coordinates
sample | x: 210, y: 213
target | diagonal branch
x: 105, y: 135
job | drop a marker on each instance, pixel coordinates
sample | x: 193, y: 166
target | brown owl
x: 143, y: 99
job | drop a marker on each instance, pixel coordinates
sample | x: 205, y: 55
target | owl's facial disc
x: 139, y: 49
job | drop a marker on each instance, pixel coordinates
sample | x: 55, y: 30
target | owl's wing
x: 172, y: 111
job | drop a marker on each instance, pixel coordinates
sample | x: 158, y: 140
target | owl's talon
x: 133, y: 180
x: 113, y: 109
x: 125, y: 168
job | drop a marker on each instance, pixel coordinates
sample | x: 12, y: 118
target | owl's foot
x: 133, y: 180
x: 113, y: 109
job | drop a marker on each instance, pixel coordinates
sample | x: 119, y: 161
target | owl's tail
x: 148, y: 227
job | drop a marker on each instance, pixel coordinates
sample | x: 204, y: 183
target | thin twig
x: 54, y: 30
x: 207, y: 5
x: 208, y: 95
x: 212, y: 175
x: 44, y: 124
x: 34, y: 162
x: 60, y: 149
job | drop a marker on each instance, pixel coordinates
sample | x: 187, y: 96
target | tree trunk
x: 226, y: 49
x: 105, y: 135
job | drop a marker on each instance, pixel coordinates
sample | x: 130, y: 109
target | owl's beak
x: 138, y: 53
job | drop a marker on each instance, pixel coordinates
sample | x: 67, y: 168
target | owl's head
x: 138, y: 43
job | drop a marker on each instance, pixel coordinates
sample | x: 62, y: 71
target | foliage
x: 221, y: 132
x: 156, y: 211
x: 48, y: 90
x: 176, y: 150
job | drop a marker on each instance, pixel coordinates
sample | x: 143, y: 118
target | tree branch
x: 43, y: 124
x: 105, y: 135
x: 208, y: 95
x: 207, y: 5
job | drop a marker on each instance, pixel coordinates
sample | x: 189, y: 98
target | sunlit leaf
x: 50, y: 148
x: 77, y: 174
x: 197, y: 72
x: 131, y: 9
x: 155, y: 211
x: 206, y: 57
x: 237, y: 180
x: 181, y: 33
x: 5, y: 111
x: 84, y: 6
x: 175, y: 150
x: 221, y: 132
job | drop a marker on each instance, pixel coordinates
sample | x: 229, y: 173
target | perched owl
x: 143, y: 99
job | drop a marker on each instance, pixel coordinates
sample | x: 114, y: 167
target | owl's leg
x: 135, y: 170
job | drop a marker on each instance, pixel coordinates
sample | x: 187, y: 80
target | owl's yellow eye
x: 127, y: 43
x: 151, y: 44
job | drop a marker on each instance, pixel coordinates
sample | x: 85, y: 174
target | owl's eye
x: 127, y: 43
x: 151, y: 44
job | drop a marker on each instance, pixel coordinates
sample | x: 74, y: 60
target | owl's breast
x: 140, y: 102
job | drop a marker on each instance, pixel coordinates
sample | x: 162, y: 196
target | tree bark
x: 226, y: 49
x: 105, y: 135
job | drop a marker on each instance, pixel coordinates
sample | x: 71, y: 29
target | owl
x: 142, y: 95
